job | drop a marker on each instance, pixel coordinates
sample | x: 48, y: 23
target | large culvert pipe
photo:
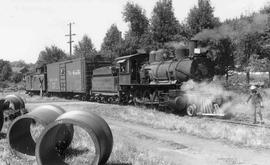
x: 16, y: 107
x: 16, y: 100
x: 96, y: 127
x: 3, y: 106
x: 20, y: 139
x: 11, y: 107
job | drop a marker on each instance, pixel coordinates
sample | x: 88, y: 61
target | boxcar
x: 71, y: 77
x: 35, y: 82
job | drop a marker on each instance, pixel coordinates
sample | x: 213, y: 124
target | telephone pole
x: 70, y: 38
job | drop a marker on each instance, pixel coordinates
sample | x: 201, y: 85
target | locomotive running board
x: 146, y: 103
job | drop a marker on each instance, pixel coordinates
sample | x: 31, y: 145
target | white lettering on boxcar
x: 53, y: 83
x: 74, y: 72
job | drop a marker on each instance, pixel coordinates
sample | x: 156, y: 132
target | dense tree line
x: 5, y: 70
x: 144, y: 33
x: 50, y: 55
x: 242, y: 43
x: 162, y: 28
x: 84, y: 48
x: 14, y: 71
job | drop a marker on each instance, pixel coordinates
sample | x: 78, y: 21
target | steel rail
x: 238, y: 123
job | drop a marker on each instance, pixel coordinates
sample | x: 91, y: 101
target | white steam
x: 233, y: 104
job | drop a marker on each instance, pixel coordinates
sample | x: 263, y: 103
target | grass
x: 81, y: 149
x: 202, y: 127
x: 125, y: 152
x: 6, y: 157
x: 33, y: 99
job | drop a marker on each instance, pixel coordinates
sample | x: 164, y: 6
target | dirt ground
x: 168, y: 146
x: 184, y: 149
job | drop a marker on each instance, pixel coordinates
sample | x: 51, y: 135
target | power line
x: 70, y: 37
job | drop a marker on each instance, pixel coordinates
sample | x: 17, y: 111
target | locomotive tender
x: 149, y: 79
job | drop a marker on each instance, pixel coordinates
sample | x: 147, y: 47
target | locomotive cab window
x: 123, y: 66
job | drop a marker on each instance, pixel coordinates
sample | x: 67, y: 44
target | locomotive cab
x: 129, y: 68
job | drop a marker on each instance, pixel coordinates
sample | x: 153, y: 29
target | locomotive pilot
x: 256, y: 101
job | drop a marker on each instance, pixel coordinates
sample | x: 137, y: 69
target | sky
x: 28, y: 26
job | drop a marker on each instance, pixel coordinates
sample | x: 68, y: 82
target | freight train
x: 151, y: 79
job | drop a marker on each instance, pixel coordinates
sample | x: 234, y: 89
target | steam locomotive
x: 151, y: 79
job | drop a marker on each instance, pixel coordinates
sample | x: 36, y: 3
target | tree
x: 201, y: 17
x: 164, y: 25
x: 19, y: 63
x: 16, y: 77
x: 184, y: 32
x: 220, y: 48
x: 251, y: 49
x: 5, y: 70
x: 248, y: 45
x: 50, y: 55
x: 265, y: 9
x: 138, y: 35
x: 111, y: 41
x: 258, y: 64
x: 129, y: 45
x: 22, y: 66
x: 85, y: 48
x: 222, y: 54
x: 135, y: 16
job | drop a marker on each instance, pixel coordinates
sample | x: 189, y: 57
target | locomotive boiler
x: 176, y: 69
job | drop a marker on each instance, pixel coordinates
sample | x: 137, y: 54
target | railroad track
x: 33, y: 102
x: 205, y: 117
x: 239, y: 123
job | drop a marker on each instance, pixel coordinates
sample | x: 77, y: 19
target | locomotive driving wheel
x: 146, y: 96
x: 191, y: 110
x: 137, y: 99
x: 154, y: 97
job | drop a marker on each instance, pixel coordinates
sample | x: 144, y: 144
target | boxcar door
x: 62, y: 77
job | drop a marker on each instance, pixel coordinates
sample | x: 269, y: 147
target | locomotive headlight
x: 197, y: 50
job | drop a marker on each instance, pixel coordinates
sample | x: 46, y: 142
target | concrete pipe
x: 16, y: 100
x: 95, y: 126
x: 16, y: 107
x: 11, y: 107
x: 3, y: 105
x: 20, y: 139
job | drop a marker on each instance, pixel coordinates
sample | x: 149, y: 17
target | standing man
x: 256, y: 101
